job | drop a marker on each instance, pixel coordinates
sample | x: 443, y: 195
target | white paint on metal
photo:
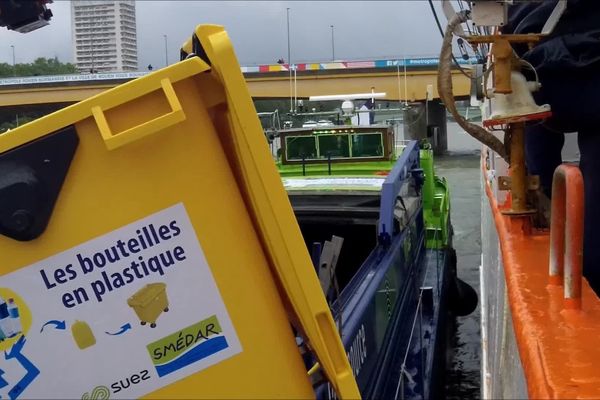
x: 485, y: 374
x: 502, y: 372
x: 351, y: 96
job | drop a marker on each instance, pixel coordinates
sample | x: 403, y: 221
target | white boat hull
x: 502, y: 374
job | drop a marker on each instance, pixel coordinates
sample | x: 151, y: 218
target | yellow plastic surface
x: 154, y: 125
x: 189, y: 133
x: 273, y: 214
x: 186, y: 47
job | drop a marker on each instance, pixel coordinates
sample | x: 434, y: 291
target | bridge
x: 403, y: 79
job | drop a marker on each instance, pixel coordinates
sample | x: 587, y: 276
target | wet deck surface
x: 462, y: 173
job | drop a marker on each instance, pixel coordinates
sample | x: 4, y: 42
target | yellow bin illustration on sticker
x: 83, y: 335
x: 149, y: 303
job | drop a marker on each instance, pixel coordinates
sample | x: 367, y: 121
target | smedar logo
x: 187, y: 346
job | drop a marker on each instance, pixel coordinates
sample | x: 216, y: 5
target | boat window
x: 298, y: 147
x: 367, y: 145
x: 339, y: 146
x: 335, y: 145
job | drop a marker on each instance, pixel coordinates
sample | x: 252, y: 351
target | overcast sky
x: 362, y: 30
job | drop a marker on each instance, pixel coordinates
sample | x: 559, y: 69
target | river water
x: 462, y: 172
x: 461, y: 168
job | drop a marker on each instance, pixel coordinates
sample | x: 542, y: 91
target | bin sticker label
x: 119, y: 316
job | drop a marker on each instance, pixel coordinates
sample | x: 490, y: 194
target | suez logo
x: 129, y: 381
x: 103, y: 392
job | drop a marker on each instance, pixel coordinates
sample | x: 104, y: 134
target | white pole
x: 289, y: 60
x: 13, y: 58
x: 332, y: 45
x: 398, y: 81
x: 166, y: 52
x: 295, y: 91
x: 405, y: 85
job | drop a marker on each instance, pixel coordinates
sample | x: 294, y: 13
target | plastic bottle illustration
x: 13, y: 312
x: 5, y: 320
x: 83, y: 335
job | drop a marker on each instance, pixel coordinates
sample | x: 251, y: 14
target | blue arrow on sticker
x: 123, y: 329
x: 57, y: 325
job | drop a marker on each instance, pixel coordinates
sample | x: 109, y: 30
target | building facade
x: 104, y: 35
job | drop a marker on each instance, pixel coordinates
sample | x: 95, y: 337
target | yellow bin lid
x: 145, y: 295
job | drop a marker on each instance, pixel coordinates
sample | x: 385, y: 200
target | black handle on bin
x: 30, y: 180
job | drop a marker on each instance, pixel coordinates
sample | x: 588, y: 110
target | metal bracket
x: 533, y: 182
x: 488, y: 13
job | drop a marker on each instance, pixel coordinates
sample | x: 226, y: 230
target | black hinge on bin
x: 31, y: 176
x: 182, y: 55
x: 198, y: 50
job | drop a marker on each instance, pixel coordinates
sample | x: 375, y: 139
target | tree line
x: 12, y: 117
x: 40, y: 66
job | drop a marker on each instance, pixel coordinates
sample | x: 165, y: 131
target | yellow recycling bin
x: 149, y: 302
x: 165, y: 181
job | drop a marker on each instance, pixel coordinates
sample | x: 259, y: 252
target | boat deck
x: 558, y: 347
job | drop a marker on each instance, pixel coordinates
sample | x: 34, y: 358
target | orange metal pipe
x: 566, y: 233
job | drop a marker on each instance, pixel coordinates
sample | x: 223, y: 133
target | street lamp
x: 289, y: 60
x: 14, y: 64
x: 92, y: 26
x: 332, y: 45
x: 166, y: 52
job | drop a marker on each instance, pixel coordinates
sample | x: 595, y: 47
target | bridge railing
x: 267, y: 68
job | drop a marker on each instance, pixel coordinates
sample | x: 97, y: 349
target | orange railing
x: 566, y: 233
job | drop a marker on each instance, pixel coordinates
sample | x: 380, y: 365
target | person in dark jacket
x: 568, y: 65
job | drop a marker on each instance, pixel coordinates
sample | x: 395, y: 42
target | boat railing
x: 566, y: 233
x: 407, y: 376
x: 407, y: 163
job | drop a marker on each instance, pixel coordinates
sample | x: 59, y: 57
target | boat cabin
x: 340, y: 143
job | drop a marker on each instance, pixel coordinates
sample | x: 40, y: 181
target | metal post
x: 405, y: 84
x: 303, y: 165
x: 398, y: 81
x: 332, y: 44
x: 519, y: 181
x: 289, y: 60
x: 13, y: 59
x: 166, y: 52
x: 92, y: 37
x: 566, y: 233
x: 517, y: 167
x: 295, y: 90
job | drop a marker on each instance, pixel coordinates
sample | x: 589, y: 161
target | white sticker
x: 119, y: 316
x: 368, y: 183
